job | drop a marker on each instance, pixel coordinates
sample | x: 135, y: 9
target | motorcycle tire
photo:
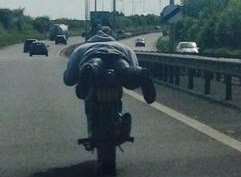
x: 106, y: 158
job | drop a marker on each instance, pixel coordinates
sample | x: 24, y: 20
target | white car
x: 140, y: 42
x: 187, y: 47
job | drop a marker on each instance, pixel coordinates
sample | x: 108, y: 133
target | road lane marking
x: 59, y: 52
x: 211, y: 132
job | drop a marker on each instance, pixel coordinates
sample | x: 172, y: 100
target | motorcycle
x: 110, y: 128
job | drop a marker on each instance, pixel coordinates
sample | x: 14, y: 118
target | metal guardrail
x: 169, y: 68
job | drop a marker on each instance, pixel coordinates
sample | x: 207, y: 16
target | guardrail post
x: 207, y: 86
x: 171, y: 73
x: 143, y: 64
x: 165, y: 73
x: 160, y: 71
x: 218, y: 77
x: 177, y: 75
x: 198, y: 73
x: 228, y: 81
x: 152, y: 69
x: 191, y: 73
x: 157, y: 71
x: 149, y: 66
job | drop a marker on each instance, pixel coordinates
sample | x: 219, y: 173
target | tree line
x: 214, y: 24
x: 15, y: 26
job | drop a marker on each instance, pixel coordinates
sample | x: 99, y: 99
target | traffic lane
x: 44, y: 119
x: 163, y: 147
x: 150, y: 40
x: 166, y: 147
x: 41, y: 121
x: 39, y: 115
x: 15, y: 52
x: 222, y: 118
x: 36, y: 116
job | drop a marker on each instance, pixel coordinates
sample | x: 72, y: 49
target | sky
x: 75, y: 9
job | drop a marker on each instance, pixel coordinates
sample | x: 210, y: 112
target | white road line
x: 60, y: 51
x: 231, y: 142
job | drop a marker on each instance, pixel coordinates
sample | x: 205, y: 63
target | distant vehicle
x: 60, y: 39
x: 187, y: 47
x: 38, y: 48
x: 140, y: 42
x: 58, y: 29
x: 157, y: 27
x: 27, y: 45
x: 97, y: 19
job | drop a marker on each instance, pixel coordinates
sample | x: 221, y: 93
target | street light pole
x: 114, y: 5
x: 95, y: 5
x: 172, y: 32
x: 114, y: 15
x: 86, y: 18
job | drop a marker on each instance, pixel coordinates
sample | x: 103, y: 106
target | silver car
x: 140, y: 42
x: 187, y: 47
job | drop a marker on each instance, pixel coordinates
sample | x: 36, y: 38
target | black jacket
x: 101, y: 43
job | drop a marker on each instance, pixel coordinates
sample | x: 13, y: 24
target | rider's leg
x: 135, y: 77
x: 89, y: 111
x: 88, y: 72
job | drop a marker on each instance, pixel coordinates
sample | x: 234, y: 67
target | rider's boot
x: 147, y: 86
x: 126, y: 124
x: 123, y: 127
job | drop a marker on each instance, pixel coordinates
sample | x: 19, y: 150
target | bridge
x: 192, y: 130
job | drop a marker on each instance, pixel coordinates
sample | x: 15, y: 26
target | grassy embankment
x: 227, y: 52
x: 9, y: 38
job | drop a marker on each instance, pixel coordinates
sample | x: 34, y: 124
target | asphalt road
x: 41, y: 120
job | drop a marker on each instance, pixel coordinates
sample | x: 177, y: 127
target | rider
x: 100, y: 49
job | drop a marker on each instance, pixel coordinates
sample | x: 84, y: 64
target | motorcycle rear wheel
x: 106, y: 158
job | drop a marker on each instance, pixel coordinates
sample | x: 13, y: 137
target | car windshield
x: 30, y: 40
x: 187, y: 45
x: 139, y: 39
x: 82, y: 81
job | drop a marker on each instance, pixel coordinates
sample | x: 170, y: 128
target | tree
x: 212, y: 23
x: 228, y: 28
x: 6, y: 18
x: 42, y: 24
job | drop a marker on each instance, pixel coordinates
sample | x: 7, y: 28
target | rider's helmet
x: 98, y: 27
x: 107, y: 30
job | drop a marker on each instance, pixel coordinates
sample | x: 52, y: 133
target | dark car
x: 140, y: 42
x: 38, y: 48
x: 61, y: 39
x: 27, y: 44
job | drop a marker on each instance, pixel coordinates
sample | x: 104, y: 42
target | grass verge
x: 15, y: 37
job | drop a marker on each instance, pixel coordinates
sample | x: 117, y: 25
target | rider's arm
x: 71, y: 73
x: 133, y: 58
